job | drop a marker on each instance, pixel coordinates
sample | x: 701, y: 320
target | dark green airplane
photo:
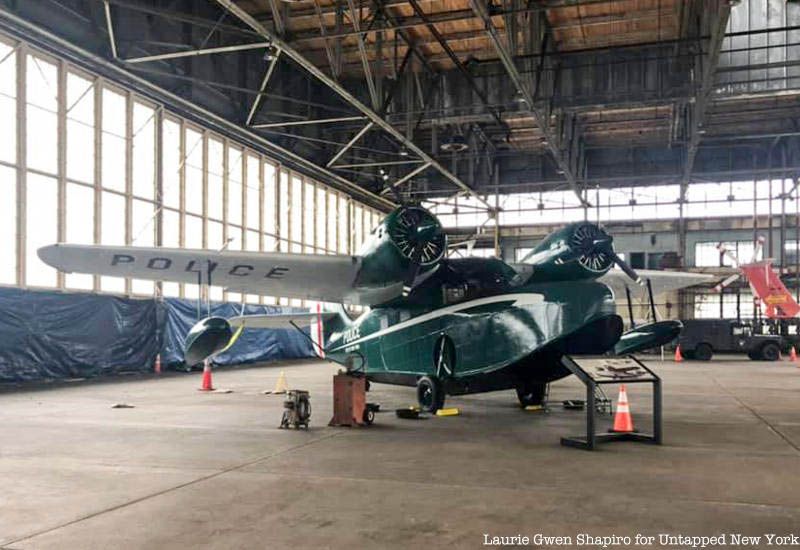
x: 444, y: 325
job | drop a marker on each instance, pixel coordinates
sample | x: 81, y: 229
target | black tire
x: 770, y: 351
x: 369, y: 416
x: 531, y: 394
x: 430, y: 394
x: 703, y: 352
x: 303, y: 409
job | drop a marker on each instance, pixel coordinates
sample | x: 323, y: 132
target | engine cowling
x: 409, y: 243
x: 578, y: 251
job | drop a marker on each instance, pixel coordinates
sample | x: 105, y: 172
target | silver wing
x: 326, y: 278
x: 278, y: 320
x: 662, y: 281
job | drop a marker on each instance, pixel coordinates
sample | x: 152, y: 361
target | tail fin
x: 321, y: 330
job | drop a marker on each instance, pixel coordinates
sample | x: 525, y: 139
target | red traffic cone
x: 678, y: 356
x: 623, y: 422
x: 793, y: 355
x: 157, y: 365
x: 207, y: 386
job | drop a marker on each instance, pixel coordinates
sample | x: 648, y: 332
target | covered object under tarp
x: 52, y: 335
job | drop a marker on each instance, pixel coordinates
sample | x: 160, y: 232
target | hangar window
x: 270, y: 227
x: 80, y: 228
x: 714, y: 305
x: 235, y: 189
x: 80, y: 128
x: 42, y: 117
x: 212, y: 189
x: 193, y: 169
x: 8, y: 102
x: 706, y: 254
x: 253, y: 194
x: 214, y: 177
x: 114, y: 159
x: 143, y: 143
x: 8, y: 225
x: 172, y: 163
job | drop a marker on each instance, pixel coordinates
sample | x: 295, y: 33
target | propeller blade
x: 726, y: 282
x: 414, y: 268
x: 628, y: 270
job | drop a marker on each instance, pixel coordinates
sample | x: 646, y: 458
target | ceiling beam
x: 376, y: 119
x: 541, y: 118
x: 708, y: 67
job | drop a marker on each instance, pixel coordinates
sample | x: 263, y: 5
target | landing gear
x: 430, y: 394
x: 531, y: 394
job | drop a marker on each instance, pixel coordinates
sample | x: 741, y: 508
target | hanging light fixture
x: 455, y: 143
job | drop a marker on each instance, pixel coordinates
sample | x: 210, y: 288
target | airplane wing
x: 326, y: 278
x: 279, y: 320
x: 662, y: 281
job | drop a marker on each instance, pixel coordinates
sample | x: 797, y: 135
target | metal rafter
x: 709, y: 69
x: 355, y: 17
x: 264, y: 82
x: 542, y: 120
x: 442, y: 41
x: 198, y: 52
x: 376, y: 119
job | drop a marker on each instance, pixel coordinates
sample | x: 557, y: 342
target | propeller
x: 593, y: 248
x: 420, y: 238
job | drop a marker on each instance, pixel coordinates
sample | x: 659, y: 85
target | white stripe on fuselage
x: 520, y: 299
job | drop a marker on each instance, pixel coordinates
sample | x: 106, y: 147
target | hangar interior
x: 296, y: 126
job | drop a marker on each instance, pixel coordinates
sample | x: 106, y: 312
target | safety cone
x: 157, y: 365
x: 793, y: 355
x: 281, y: 386
x: 623, y: 422
x: 207, y: 386
x: 678, y: 356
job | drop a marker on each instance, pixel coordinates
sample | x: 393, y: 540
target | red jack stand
x: 350, y: 401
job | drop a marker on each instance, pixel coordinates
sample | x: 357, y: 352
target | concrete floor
x: 187, y: 469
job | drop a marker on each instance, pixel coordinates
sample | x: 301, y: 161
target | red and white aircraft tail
x: 766, y: 285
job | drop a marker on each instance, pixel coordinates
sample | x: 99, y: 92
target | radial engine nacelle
x: 578, y: 251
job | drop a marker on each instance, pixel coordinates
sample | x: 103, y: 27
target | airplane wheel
x: 430, y: 394
x: 531, y: 394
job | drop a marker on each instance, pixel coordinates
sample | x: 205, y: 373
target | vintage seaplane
x: 446, y: 326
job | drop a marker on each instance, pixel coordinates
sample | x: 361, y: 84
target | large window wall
x: 703, y: 200
x: 84, y: 161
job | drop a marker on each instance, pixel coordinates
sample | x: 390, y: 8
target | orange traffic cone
x: 793, y: 355
x: 207, y: 386
x: 157, y: 365
x: 623, y: 422
x: 678, y: 356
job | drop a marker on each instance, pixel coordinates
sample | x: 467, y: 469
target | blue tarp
x: 57, y: 335
x: 47, y: 335
x: 252, y: 345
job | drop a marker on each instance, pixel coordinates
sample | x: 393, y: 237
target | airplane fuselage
x: 492, y: 341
